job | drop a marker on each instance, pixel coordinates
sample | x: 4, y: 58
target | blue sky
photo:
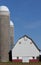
x: 26, y: 15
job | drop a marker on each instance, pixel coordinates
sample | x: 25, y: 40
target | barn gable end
x: 25, y: 46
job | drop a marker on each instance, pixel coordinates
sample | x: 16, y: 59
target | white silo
x: 11, y: 35
x: 4, y: 33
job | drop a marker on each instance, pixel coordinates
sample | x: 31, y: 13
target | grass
x: 20, y: 63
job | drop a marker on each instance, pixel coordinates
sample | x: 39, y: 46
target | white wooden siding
x: 26, y: 48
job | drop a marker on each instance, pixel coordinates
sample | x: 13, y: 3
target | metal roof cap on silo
x: 11, y: 24
x: 4, y: 10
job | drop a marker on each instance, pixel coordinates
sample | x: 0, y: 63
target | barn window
x: 30, y: 42
x: 25, y: 39
x: 17, y: 57
x: 19, y: 42
x: 33, y: 57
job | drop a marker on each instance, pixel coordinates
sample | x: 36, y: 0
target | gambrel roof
x: 31, y: 40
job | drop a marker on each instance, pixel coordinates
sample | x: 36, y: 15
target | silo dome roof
x: 11, y: 23
x: 4, y: 8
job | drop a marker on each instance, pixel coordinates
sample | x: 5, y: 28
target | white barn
x: 25, y: 49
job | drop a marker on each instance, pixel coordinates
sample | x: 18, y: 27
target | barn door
x: 10, y: 55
